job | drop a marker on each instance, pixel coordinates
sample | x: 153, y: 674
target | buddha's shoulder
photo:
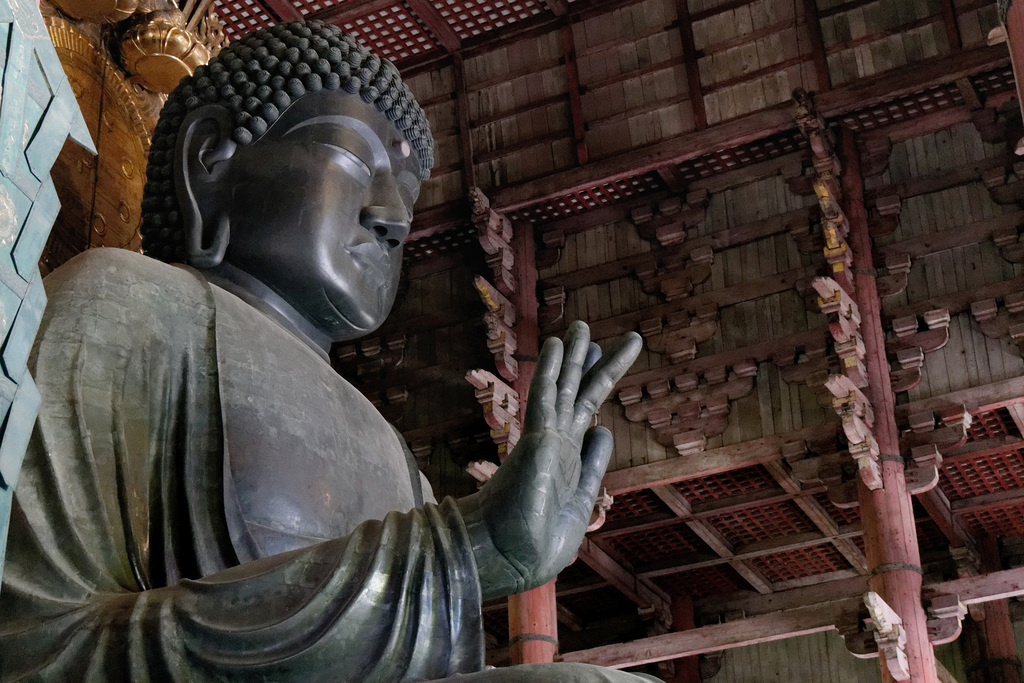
x: 127, y: 277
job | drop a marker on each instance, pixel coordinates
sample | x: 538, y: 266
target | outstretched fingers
x: 596, y: 452
x: 577, y: 346
x: 540, y: 408
x: 602, y: 378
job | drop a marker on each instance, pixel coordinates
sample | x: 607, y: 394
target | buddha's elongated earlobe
x: 204, y: 147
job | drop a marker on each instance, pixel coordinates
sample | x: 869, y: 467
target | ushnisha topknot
x: 256, y: 78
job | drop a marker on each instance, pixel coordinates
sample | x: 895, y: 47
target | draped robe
x: 204, y: 498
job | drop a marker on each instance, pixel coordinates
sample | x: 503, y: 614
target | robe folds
x: 204, y: 499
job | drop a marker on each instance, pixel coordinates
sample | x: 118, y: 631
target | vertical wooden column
x: 889, y: 533
x: 687, y: 668
x: 533, y: 615
x: 990, y: 647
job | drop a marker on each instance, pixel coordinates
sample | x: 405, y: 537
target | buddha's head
x: 289, y: 166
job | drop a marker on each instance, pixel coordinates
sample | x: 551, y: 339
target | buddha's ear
x: 200, y: 161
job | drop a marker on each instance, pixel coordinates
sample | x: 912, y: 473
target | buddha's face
x: 319, y: 208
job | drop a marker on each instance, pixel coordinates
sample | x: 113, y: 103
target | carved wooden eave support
x: 912, y: 344
x: 689, y: 409
x: 501, y: 411
x: 946, y: 429
x: 996, y: 324
x: 677, y: 334
x: 499, y: 320
x: 946, y: 614
x: 1011, y: 243
x: 674, y: 275
x: 887, y: 628
x: 666, y: 221
x: 495, y: 235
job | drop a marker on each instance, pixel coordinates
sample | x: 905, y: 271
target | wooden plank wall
x: 821, y: 658
x: 633, y: 77
x: 776, y: 406
x: 970, y: 358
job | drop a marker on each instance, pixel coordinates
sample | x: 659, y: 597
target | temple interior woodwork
x: 811, y: 210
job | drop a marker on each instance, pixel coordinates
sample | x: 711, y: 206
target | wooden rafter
x: 640, y: 591
x: 690, y: 56
x: 744, y: 129
x: 465, y: 130
x: 575, y: 102
x: 677, y: 502
x: 817, y: 45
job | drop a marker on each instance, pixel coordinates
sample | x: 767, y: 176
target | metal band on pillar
x: 533, y: 636
x: 895, y: 567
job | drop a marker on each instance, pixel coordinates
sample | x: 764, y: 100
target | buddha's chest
x: 307, y: 456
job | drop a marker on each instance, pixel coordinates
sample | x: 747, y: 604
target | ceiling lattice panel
x: 640, y: 503
x: 906, y: 108
x: 590, y: 198
x: 703, y: 583
x: 241, y: 16
x: 472, y: 17
x: 726, y: 485
x: 653, y: 544
x: 841, y: 516
x: 984, y: 474
x: 730, y: 159
x: 751, y: 525
x: 1003, y: 521
x: 395, y: 33
x: 992, y: 423
x: 799, y: 564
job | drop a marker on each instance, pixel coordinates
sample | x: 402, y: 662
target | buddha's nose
x: 389, y: 224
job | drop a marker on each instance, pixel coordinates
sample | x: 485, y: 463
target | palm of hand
x: 529, y: 520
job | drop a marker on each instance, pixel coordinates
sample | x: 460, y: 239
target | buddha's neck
x: 252, y: 291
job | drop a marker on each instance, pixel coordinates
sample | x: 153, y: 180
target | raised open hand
x: 529, y: 520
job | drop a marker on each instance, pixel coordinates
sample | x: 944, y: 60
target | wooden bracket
x: 666, y: 221
x: 677, y: 334
x: 997, y: 325
x: 495, y: 235
x: 371, y: 356
x: 552, y: 243
x: 947, y: 614
x: 673, y: 275
x: 946, y: 429
x: 897, y: 268
x: 887, y: 627
x: 689, y: 409
x: 922, y: 474
x: 499, y: 320
x: 553, y: 308
x: 501, y: 409
x: 1011, y: 244
x: 844, y: 326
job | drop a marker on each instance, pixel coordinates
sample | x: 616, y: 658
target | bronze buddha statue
x: 204, y: 498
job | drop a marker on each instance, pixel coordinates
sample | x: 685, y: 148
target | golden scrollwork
x: 159, y: 51
x: 100, y: 11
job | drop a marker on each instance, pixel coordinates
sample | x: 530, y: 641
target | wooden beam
x: 742, y: 633
x: 986, y: 396
x: 938, y: 508
x: 465, y: 130
x: 752, y: 127
x: 640, y: 591
x: 714, y: 461
x: 348, y: 11
x: 677, y: 502
x: 575, y: 102
x: 999, y: 585
x: 817, y: 45
x: 284, y: 10
x: 438, y: 25
x: 690, y: 57
x: 558, y: 7
x: 819, y: 517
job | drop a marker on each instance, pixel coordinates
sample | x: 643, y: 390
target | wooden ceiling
x: 648, y: 140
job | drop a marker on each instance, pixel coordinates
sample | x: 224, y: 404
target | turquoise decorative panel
x: 38, y: 113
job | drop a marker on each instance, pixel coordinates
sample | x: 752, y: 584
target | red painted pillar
x: 687, y: 668
x: 991, y: 649
x: 532, y: 616
x: 890, y: 535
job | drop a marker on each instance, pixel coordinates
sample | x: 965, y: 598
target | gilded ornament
x: 160, y: 51
x: 100, y: 11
